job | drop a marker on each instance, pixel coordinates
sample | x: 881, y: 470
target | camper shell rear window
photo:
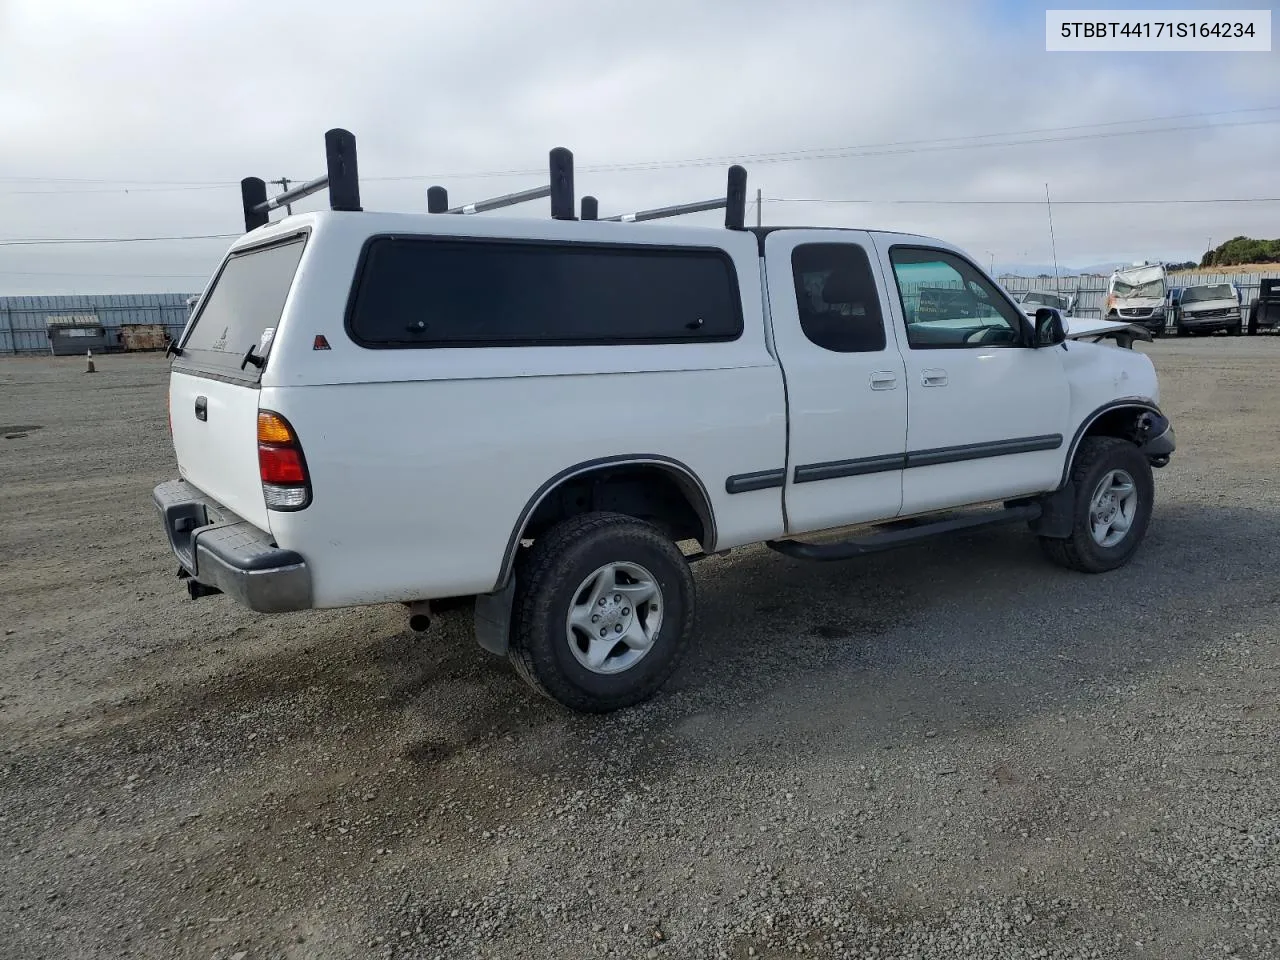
x: 417, y: 292
x: 242, y: 310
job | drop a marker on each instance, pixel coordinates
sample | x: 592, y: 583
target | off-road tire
x: 548, y: 575
x: 1095, y: 457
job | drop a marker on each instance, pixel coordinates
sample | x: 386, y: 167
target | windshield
x: 1152, y: 289
x: 1221, y: 291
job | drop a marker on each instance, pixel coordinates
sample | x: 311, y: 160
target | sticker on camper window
x: 268, y: 335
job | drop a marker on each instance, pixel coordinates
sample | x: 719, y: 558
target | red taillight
x: 285, y: 483
x: 281, y: 466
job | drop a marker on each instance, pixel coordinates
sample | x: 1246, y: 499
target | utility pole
x: 759, y: 204
x: 1057, y: 283
x: 284, y: 185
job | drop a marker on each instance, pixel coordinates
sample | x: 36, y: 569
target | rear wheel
x: 1115, y: 494
x: 603, y: 612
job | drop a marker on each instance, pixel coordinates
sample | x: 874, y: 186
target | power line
x: 1027, y: 202
x: 39, y: 241
x: 48, y: 241
x: 173, y: 188
x: 889, y: 148
x: 895, y: 148
x: 77, y: 273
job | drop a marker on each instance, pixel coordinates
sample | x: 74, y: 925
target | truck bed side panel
x: 419, y: 485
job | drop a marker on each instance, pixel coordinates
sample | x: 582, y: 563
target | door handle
x: 884, y: 380
x: 933, y: 378
x: 202, y: 408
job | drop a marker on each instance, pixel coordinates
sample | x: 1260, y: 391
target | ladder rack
x: 343, y: 183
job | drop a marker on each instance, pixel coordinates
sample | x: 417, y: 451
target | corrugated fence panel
x: 23, y: 319
x: 1092, y: 290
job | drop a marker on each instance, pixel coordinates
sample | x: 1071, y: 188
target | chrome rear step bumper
x: 226, y: 554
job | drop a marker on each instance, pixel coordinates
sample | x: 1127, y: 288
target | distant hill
x: 1242, y: 250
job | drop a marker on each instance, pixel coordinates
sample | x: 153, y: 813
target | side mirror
x: 1050, y: 328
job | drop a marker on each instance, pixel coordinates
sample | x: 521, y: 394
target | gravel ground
x: 955, y: 750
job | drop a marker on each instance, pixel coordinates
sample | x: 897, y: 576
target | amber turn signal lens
x: 272, y: 428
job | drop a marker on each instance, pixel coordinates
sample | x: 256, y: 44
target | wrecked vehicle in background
x: 1124, y: 334
x: 1136, y: 294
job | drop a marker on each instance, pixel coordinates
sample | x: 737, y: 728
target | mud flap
x: 493, y: 618
x: 1056, y: 510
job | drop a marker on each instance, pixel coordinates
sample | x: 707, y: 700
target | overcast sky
x: 202, y: 94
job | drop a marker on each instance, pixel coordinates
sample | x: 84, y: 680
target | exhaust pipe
x: 419, y: 616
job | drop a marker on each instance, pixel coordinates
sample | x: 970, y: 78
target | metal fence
x: 24, y: 320
x: 1091, y: 291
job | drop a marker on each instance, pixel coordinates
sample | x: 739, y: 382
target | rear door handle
x: 933, y: 378
x: 202, y: 408
x: 884, y: 380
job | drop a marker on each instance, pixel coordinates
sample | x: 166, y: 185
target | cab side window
x: 948, y: 304
x: 837, y: 298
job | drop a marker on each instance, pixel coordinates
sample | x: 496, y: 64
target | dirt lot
x: 953, y: 750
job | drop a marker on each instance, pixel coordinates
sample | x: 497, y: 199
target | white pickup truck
x: 557, y: 416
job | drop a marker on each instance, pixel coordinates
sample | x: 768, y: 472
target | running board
x: 859, y: 546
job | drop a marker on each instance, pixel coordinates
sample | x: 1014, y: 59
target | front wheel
x: 1115, y: 493
x: 603, y: 612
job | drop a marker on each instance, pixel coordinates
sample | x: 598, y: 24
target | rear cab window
x: 241, y: 311
x: 837, y: 298
x: 417, y: 292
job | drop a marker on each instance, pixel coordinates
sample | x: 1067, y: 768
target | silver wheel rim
x: 614, y: 618
x: 1113, y: 508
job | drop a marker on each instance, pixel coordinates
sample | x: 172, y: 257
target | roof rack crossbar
x: 494, y: 203
x: 289, y: 196
x: 341, y: 177
x: 659, y: 213
x: 734, y: 203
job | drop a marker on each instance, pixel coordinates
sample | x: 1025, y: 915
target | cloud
x: 159, y: 92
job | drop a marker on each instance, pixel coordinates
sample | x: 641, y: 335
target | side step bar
x: 888, y: 540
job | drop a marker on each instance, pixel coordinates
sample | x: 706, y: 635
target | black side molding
x: 838, y: 469
x: 980, y: 451
x: 760, y: 480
